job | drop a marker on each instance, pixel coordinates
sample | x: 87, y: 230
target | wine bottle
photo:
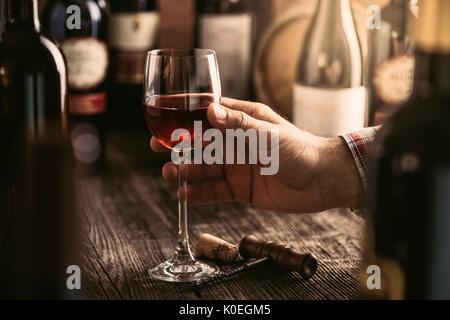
x: 410, y: 175
x: 329, y: 95
x: 133, y: 31
x: 33, y: 106
x: 391, y: 61
x: 33, y: 83
x: 81, y: 27
x: 225, y: 28
x: 32, y: 71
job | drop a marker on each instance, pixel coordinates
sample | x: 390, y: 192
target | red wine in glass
x: 179, y: 86
x: 166, y: 113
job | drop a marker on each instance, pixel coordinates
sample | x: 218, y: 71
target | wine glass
x: 179, y: 86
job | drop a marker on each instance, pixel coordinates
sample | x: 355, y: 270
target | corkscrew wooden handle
x: 282, y: 256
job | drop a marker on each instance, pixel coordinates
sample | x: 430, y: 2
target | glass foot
x: 189, y: 271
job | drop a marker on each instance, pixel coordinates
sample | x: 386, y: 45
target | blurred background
x: 264, y: 40
x: 271, y: 51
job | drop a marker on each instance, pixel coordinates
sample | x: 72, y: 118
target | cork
x: 214, y: 248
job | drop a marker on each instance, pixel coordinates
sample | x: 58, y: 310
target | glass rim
x: 182, y: 53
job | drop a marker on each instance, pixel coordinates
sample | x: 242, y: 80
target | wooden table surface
x: 130, y: 224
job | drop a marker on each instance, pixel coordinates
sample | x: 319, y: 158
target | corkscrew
x: 281, y: 256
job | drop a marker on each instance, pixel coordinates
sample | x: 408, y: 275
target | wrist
x: 341, y: 185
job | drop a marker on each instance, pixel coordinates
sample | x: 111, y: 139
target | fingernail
x: 220, y: 112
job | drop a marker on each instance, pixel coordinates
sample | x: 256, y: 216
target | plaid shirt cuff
x: 358, y: 143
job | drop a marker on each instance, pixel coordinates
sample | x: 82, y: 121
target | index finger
x: 256, y: 110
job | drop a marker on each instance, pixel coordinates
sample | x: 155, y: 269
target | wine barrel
x: 275, y: 63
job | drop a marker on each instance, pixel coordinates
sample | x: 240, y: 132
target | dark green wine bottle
x: 409, y: 198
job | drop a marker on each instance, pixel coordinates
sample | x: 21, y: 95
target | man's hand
x: 314, y: 174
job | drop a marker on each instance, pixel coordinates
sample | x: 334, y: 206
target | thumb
x: 223, y: 118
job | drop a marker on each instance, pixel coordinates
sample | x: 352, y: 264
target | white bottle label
x: 133, y: 31
x: 131, y: 35
x: 231, y: 37
x: 393, y: 79
x: 329, y: 112
x: 87, y: 60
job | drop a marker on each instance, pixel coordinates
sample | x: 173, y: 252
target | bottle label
x: 87, y: 104
x: 393, y: 79
x: 131, y: 35
x: 87, y: 61
x: 133, y: 31
x: 329, y: 112
x: 231, y: 37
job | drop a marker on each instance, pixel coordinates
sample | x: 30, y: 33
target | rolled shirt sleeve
x: 358, y: 143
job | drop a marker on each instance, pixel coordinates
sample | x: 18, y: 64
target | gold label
x: 393, y: 79
x: 87, y: 61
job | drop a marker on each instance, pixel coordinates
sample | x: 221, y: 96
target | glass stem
x: 183, y: 250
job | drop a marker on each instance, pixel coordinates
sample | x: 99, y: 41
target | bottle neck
x: 2, y: 15
x: 399, y: 3
x: 432, y: 38
x: 133, y: 6
x: 23, y: 13
x: 333, y: 12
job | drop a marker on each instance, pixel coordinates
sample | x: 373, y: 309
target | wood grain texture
x: 130, y: 224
